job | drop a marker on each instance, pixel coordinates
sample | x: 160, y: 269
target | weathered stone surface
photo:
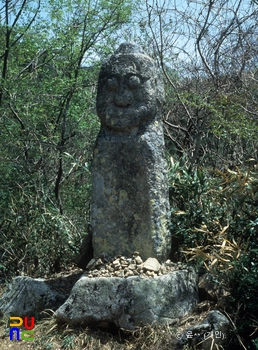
x: 130, y: 302
x: 27, y: 296
x: 130, y: 206
x: 210, y: 334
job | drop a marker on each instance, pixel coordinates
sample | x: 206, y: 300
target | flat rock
x: 130, y: 302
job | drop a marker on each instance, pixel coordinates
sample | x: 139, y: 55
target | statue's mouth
x: 133, y: 106
x: 122, y: 105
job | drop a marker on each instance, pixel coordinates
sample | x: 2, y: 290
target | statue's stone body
x: 129, y: 206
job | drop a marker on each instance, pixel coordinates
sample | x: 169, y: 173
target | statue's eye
x: 112, y: 84
x: 133, y: 82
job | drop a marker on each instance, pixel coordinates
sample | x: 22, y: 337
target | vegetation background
x: 50, y: 55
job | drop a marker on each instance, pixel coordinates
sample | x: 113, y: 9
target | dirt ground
x: 47, y: 337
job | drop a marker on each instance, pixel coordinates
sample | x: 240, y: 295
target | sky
x: 181, y: 22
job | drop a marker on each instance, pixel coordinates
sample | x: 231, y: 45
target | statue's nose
x: 123, y: 98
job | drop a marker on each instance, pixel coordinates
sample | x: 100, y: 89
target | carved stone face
x: 127, y: 91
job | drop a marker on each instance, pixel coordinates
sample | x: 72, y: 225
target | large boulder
x: 26, y: 296
x: 130, y: 302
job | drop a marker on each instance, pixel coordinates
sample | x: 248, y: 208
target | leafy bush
x: 216, y: 204
x: 214, y: 222
x: 36, y: 239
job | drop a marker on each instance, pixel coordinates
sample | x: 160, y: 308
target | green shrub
x: 35, y: 238
x: 214, y: 224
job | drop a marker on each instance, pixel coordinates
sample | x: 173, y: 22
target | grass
x: 51, y: 335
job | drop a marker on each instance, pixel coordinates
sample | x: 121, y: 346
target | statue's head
x: 130, y: 93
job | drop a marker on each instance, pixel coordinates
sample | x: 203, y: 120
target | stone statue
x: 129, y: 205
x: 130, y: 93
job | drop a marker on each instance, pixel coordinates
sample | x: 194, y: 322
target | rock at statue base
x: 130, y: 205
x: 27, y: 296
x: 130, y: 302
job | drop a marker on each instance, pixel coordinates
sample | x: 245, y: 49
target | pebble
x: 124, y: 267
x: 116, y: 262
x: 91, y: 264
x: 138, y: 260
x: 132, y: 267
x: 129, y: 273
x: 151, y: 264
x: 99, y: 262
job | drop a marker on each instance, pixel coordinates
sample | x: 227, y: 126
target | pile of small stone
x: 122, y: 266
